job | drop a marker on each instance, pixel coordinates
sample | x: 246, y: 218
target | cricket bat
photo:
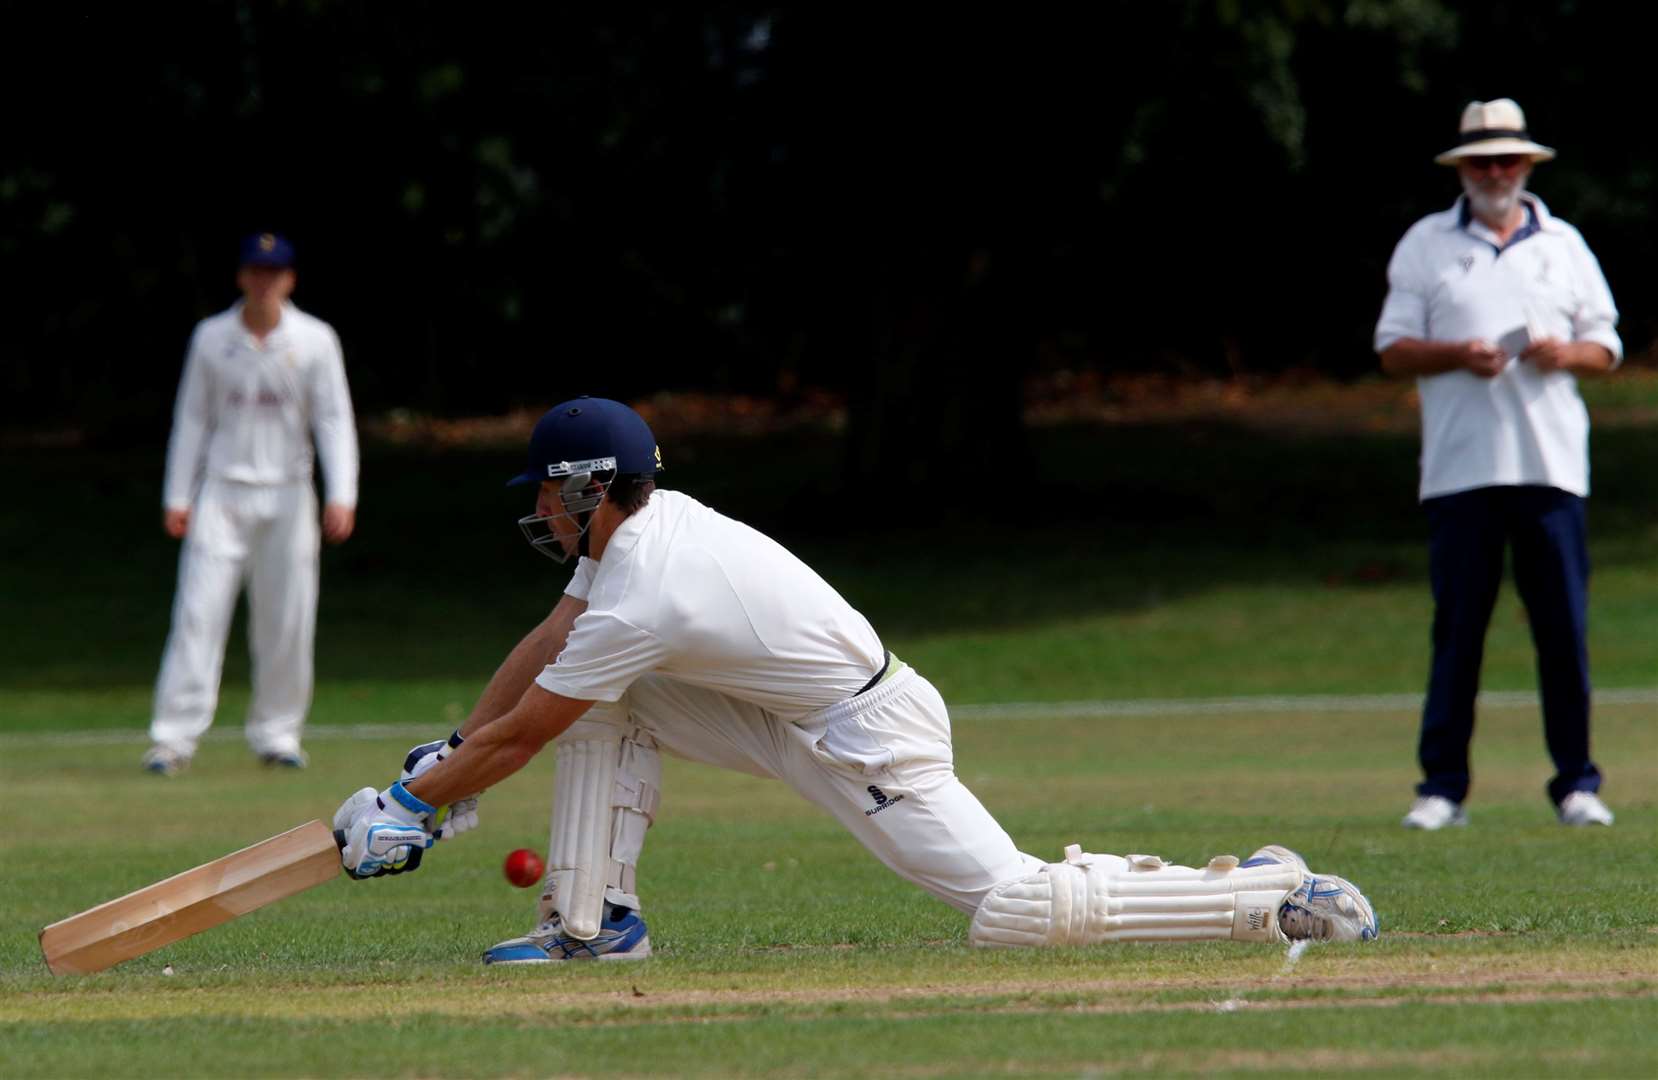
x: 196, y: 900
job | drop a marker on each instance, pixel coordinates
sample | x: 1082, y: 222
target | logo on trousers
x: 882, y: 801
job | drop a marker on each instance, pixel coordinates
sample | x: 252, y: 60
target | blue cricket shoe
x: 622, y: 936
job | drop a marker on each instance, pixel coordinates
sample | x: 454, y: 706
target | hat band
x: 1494, y: 133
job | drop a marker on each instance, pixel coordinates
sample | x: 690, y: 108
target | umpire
x: 1496, y: 306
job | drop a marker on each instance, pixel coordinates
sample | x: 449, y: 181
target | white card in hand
x: 1515, y: 342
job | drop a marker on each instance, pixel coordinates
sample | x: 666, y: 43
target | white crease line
x: 1017, y: 710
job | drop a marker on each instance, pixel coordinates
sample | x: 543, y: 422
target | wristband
x: 410, y: 802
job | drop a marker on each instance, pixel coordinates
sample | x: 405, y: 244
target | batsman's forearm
x: 538, y: 649
x: 499, y: 749
x: 481, y: 763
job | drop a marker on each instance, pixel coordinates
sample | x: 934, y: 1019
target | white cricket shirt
x: 689, y: 593
x: 246, y: 410
x: 1447, y: 281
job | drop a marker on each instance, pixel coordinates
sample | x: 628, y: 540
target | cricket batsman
x: 687, y: 632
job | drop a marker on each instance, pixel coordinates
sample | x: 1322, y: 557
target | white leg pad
x: 1091, y: 898
x: 606, y: 788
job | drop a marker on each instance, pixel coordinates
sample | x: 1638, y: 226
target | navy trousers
x: 1468, y: 532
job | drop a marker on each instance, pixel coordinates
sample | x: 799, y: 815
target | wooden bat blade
x: 196, y: 900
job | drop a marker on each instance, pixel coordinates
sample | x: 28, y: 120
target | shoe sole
x: 640, y: 951
x: 630, y: 955
x: 582, y: 960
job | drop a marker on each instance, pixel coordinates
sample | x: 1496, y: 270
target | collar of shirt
x: 1538, y: 219
x: 278, y: 334
x: 628, y: 532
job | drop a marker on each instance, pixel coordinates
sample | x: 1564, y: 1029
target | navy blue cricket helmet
x: 589, y: 435
x: 584, y: 444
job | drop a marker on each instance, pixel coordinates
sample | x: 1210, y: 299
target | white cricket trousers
x: 264, y: 536
x: 880, y: 763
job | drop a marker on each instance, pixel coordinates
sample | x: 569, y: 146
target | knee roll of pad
x: 1091, y: 898
x: 606, y: 788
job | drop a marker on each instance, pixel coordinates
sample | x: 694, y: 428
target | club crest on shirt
x: 1467, y: 264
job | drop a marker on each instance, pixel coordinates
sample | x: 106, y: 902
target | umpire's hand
x: 1482, y: 358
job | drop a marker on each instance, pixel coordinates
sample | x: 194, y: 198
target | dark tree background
x: 500, y: 205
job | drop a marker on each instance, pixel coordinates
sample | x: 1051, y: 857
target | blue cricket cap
x: 267, y: 249
x: 589, y: 434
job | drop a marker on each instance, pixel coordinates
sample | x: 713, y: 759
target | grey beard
x: 1493, y: 207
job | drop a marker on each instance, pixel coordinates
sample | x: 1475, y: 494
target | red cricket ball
x: 523, y: 868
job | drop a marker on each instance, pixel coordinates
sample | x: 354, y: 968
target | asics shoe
x: 1327, y: 908
x: 1432, y: 812
x: 622, y: 936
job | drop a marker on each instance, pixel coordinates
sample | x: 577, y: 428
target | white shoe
x: 1584, y: 808
x: 1276, y: 853
x: 165, y: 761
x: 1327, y: 908
x: 1324, y: 908
x: 1434, y: 812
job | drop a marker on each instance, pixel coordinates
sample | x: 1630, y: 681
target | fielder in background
x: 683, y: 630
x: 259, y: 380
x: 1496, y: 307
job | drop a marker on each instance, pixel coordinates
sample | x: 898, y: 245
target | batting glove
x: 424, y: 756
x: 462, y: 814
x: 382, y: 833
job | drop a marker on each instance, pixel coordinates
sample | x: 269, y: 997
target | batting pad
x: 606, y: 788
x: 1091, y: 898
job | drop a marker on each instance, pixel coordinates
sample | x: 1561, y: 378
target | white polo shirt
x: 246, y: 410
x: 1448, y: 281
x: 689, y: 593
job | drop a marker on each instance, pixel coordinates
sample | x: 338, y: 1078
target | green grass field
x: 1513, y: 947
x: 1192, y: 563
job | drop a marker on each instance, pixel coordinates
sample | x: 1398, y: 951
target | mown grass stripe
x: 1014, y: 710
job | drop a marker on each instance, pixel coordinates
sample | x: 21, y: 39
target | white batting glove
x: 382, y: 832
x: 460, y: 815
x: 424, y: 756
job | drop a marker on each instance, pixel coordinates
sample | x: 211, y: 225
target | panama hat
x: 1494, y: 127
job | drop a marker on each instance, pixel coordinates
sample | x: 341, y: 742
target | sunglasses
x: 1493, y: 161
